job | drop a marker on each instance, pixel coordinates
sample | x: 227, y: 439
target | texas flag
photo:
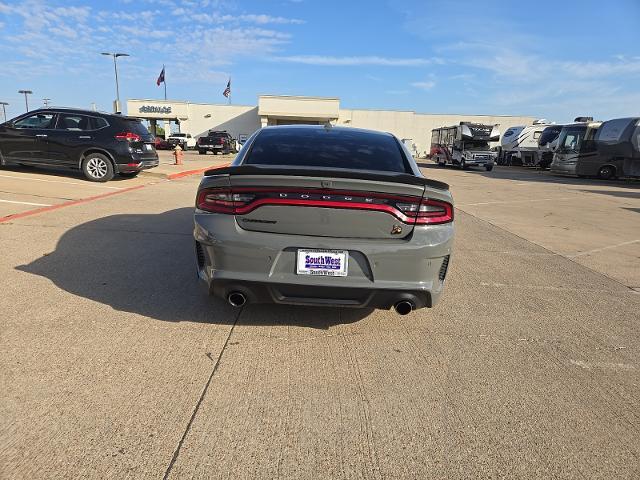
x: 161, y: 77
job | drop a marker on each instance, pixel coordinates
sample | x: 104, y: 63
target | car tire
x: 129, y: 174
x: 202, y: 152
x: 463, y: 165
x: 488, y: 168
x: 97, y: 168
x: 607, y: 172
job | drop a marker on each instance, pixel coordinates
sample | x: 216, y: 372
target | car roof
x: 300, y: 128
x: 82, y: 112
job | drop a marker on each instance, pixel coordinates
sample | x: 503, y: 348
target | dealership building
x: 242, y: 120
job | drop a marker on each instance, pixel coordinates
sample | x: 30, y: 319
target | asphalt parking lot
x: 117, y: 365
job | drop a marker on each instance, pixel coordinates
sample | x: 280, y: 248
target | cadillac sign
x: 154, y: 109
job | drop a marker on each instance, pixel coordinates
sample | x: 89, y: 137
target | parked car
x: 100, y: 144
x: 161, y: 144
x: 185, y: 140
x: 216, y: 142
x: 325, y: 216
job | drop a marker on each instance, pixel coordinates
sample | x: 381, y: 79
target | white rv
x: 521, y: 147
x: 465, y: 145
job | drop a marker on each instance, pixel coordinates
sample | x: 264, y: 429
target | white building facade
x: 241, y: 121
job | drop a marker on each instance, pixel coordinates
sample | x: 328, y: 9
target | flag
x: 227, y: 91
x: 161, y: 77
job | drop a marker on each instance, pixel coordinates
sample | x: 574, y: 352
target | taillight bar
x: 406, y: 208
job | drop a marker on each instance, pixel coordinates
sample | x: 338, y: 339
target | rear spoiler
x: 328, y: 172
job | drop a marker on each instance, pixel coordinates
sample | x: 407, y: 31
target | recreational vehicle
x: 546, y: 143
x: 521, y: 146
x: 507, y: 139
x: 575, y: 146
x: 465, y: 145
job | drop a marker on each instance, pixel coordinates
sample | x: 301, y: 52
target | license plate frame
x: 322, y: 262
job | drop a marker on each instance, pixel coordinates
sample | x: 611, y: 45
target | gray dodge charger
x: 322, y: 215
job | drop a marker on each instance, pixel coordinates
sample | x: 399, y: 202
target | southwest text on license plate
x: 330, y: 263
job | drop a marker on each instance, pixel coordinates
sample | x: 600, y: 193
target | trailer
x: 519, y: 145
x: 464, y: 145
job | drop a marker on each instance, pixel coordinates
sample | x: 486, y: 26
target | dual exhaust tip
x: 238, y: 299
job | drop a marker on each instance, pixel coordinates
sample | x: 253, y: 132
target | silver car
x: 322, y: 215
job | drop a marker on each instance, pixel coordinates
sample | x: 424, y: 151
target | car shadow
x: 54, y: 172
x: 145, y: 264
x: 531, y: 174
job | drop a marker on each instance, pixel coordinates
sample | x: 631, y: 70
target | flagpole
x: 165, y: 83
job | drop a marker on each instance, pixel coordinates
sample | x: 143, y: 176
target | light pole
x: 4, y: 110
x: 46, y: 102
x: 115, y: 68
x: 26, y: 92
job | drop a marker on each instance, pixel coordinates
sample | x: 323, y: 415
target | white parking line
x: 27, y: 203
x: 87, y: 184
x: 596, y: 250
x: 511, y: 201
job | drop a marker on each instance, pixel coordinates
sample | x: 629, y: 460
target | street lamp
x: 4, y: 109
x: 115, y: 68
x: 26, y: 92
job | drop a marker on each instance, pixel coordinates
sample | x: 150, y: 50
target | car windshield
x: 482, y: 146
x: 571, y: 139
x: 329, y: 148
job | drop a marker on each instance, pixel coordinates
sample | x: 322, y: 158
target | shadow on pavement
x: 56, y: 172
x: 527, y: 174
x: 145, y: 264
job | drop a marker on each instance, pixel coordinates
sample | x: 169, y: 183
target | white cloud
x: 426, y: 85
x: 322, y: 60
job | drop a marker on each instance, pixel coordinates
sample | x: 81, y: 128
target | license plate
x: 330, y: 263
x: 147, y: 146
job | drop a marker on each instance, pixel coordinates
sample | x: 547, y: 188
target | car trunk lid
x: 345, y: 204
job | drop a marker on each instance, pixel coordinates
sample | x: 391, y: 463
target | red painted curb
x: 36, y: 211
x: 173, y: 176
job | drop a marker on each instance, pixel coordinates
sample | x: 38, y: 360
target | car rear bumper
x: 263, y: 266
x: 137, y: 165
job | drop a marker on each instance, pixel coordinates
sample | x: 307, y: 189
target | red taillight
x: 222, y: 200
x: 408, y: 209
x: 128, y: 136
x: 428, y: 211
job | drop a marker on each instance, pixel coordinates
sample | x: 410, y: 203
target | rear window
x: 136, y: 126
x: 178, y: 134
x: 328, y: 148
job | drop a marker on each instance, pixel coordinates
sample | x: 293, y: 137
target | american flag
x: 161, y: 77
x: 227, y: 91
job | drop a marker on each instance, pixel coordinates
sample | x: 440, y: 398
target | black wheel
x: 97, y: 168
x: 607, y: 172
x: 463, y: 165
x: 488, y: 168
x: 202, y: 152
x: 129, y: 174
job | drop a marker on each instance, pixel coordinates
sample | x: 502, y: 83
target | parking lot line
x: 86, y: 184
x: 27, y: 203
x: 596, y: 250
x: 511, y: 201
x: 49, y: 208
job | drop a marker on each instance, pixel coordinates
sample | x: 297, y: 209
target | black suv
x: 216, y: 142
x: 100, y: 144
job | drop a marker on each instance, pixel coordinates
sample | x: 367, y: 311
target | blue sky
x: 551, y: 59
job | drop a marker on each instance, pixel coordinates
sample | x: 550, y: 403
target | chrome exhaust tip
x: 403, y: 307
x: 237, y: 299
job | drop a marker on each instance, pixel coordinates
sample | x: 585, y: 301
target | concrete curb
x: 186, y: 173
